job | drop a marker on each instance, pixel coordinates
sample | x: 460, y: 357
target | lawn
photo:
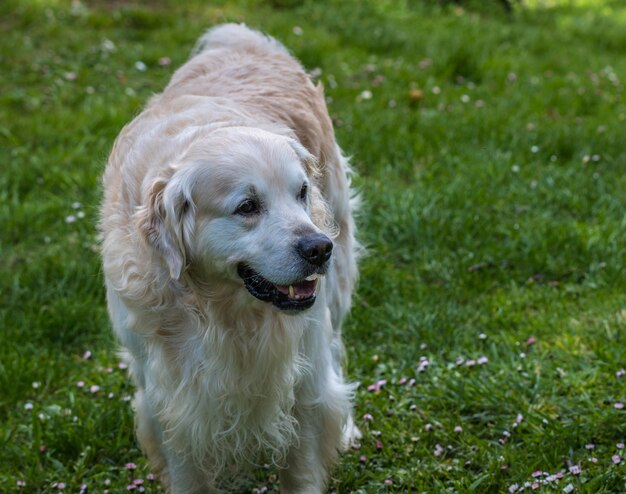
x: 487, y: 333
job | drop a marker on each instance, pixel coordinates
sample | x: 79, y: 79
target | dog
x: 230, y: 259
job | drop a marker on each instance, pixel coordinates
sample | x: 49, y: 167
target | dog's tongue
x: 303, y: 289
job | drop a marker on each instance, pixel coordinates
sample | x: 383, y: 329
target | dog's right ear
x: 164, y: 219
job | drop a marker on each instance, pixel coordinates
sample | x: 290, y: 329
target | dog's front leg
x: 321, y: 418
x: 307, y: 465
x: 184, y: 477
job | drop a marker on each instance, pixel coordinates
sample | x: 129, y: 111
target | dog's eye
x: 248, y: 207
x: 303, y: 192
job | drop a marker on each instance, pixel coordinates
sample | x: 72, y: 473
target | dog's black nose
x: 316, y: 249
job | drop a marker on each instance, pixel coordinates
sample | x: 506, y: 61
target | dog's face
x: 240, y: 208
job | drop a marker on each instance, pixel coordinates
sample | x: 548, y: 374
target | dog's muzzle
x: 299, y: 295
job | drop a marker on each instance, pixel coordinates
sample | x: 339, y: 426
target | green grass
x: 493, y: 211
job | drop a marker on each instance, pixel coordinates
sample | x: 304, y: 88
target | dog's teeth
x: 313, y: 277
x: 292, y: 291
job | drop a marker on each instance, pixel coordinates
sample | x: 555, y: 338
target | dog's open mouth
x: 297, y: 296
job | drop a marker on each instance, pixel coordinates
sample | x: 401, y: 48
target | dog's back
x: 234, y: 62
x: 236, y: 36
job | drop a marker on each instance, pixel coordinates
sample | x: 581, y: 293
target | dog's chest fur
x: 230, y: 394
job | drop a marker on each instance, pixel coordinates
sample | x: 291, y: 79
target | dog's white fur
x: 225, y: 381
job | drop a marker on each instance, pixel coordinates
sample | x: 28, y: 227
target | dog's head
x: 241, y: 206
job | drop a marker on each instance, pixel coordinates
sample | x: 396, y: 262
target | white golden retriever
x: 230, y: 261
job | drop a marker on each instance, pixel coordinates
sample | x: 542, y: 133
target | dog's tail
x: 235, y: 35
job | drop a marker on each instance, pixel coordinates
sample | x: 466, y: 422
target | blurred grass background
x: 487, y: 332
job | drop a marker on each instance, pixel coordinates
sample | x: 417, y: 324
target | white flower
x: 107, y: 46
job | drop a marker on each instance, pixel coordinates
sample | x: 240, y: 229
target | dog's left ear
x: 320, y: 212
x: 308, y: 160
